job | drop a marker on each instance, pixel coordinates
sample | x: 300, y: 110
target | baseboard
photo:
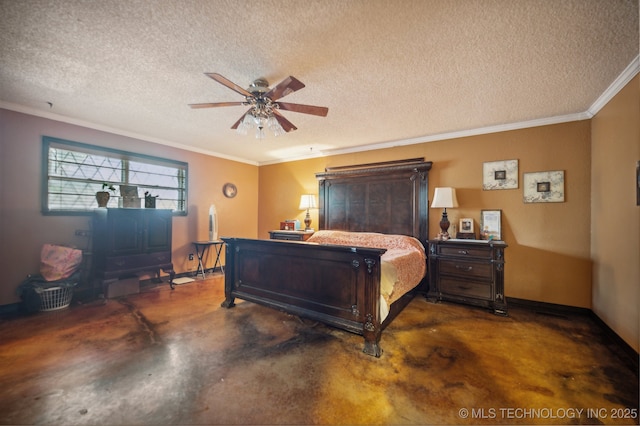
x: 626, y: 350
x: 547, y: 308
x: 10, y: 309
x: 627, y: 354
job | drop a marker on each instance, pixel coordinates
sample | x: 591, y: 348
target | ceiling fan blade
x: 216, y: 104
x: 237, y: 123
x: 304, y: 109
x: 285, y: 87
x: 286, y: 124
x: 231, y: 85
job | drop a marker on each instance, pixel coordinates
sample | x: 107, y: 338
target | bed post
x: 229, y: 276
x: 371, y: 329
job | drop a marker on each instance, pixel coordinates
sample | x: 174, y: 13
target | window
x: 73, y: 172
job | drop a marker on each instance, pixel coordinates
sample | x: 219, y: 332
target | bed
x: 370, y: 216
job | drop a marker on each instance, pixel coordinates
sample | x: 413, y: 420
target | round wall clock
x: 229, y: 190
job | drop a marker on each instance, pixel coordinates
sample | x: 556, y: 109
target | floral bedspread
x: 403, y: 264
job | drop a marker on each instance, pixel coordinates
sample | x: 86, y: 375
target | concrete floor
x: 176, y: 357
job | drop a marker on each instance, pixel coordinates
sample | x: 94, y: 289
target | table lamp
x: 307, y: 201
x: 444, y: 198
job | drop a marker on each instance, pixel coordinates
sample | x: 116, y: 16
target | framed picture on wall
x: 544, y: 187
x: 500, y: 175
x: 491, y: 225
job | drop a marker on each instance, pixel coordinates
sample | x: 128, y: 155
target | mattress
x: 403, y: 264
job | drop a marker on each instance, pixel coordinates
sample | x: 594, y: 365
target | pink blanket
x: 403, y: 264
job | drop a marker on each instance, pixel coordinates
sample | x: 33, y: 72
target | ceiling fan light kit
x: 263, y: 105
x: 260, y: 122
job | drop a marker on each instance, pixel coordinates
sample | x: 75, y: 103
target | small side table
x: 202, y: 248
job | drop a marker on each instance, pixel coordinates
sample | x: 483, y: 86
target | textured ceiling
x: 390, y: 72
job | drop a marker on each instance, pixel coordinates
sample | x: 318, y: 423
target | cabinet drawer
x: 464, y: 269
x: 120, y: 263
x: 159, y: 258
x: 479, y: 252
x: 472, y: 289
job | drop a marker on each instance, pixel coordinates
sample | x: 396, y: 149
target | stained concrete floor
x: 177, y: 358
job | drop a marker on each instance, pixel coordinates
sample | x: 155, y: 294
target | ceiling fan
x: 264, y: 107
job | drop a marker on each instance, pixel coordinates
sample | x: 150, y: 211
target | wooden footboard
x: 337, y: 285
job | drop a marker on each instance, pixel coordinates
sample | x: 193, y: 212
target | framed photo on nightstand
x: 465, y: 229
x: 466, y: 225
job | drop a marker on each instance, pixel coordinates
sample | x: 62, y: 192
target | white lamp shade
x: 308, y: 201
x: 444, y: 198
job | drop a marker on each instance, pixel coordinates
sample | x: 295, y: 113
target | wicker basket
x: 55, y: 298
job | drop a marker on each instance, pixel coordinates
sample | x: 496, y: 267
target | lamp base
x: 307, y: 222
x: 444, y: 227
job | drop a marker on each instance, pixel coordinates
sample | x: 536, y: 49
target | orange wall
x: 615, y: 230
x: 548, y: 258
x: 23, y: 228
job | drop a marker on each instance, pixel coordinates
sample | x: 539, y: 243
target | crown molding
x: 623, y: 79
x: 116, y: 131
x: 462, y: 133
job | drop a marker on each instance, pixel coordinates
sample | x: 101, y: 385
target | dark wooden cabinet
x: 290, y: 235
x: 127, y: 241
x: 470, y: 271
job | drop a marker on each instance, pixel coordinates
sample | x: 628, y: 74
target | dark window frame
x: 48, y: 142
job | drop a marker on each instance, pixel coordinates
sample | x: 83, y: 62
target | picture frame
x: 638, y: 183
x: 128, y: 191
x: 500, y: 175
x: 465, y: 226
x: 129, y: 196
x: 491, y: 225
x: 543, y: 187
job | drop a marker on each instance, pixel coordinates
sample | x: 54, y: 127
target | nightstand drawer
x: 466, y: 288
x: 478, y: 252
x: 290, y: 235
x: 467, y: 270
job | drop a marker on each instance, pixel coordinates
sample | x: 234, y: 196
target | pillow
x: 59, y: 262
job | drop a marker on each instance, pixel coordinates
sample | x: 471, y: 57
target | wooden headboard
x: 388, y: 197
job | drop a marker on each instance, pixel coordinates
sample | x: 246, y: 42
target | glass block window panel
x: 73, y: 172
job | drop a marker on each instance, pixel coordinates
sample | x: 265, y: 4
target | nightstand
x: 468, y: 271
x: 290, y: 235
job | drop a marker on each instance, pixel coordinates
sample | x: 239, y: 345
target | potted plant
x: 103, y: 196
